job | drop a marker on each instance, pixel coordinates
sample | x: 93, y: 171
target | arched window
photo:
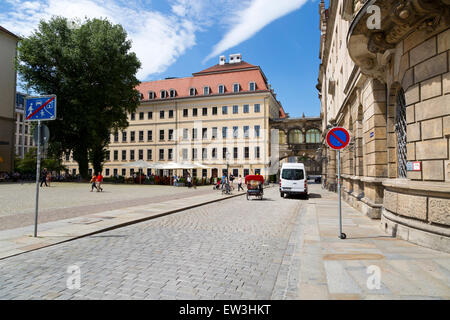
x: 295, y: 136
x: 313, y: 136
x: 282, y: 137
x: 400, y: 130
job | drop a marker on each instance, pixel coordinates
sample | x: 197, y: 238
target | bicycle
x: 226, y: 188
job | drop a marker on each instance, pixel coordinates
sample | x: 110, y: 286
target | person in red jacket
x: 99, y: 182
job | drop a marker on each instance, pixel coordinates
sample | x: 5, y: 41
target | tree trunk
x: 80, y: 155
x: 97, y: 157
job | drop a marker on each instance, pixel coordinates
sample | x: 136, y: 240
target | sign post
x: 337, y: 139
x: 37, y: 109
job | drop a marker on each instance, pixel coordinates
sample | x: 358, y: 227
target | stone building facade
x: 384, y: 76
x: 8, y: 45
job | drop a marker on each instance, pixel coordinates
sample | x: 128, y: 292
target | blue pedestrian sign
x: 40, y: 108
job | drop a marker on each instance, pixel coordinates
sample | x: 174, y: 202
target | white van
x: 293, y: 179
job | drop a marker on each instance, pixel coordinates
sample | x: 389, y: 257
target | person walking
x: 188, y: 179
x: 44, y: 177
x: 223, y: 181
x: 49, y: 178
x: 240, y: 183
x: 93, y: 182
x: 99, y: 181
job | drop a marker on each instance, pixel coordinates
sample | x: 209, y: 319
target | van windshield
x: 292, y: 174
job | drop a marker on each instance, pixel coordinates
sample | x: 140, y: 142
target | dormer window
x: 163, y: 94
x: 173, y: 93
x: 236, y: 87
x: 221, y: 89
x: 141, y: 96
x: 205, y: 91
x: 252, y: 86
x: 151, y: 95
x: 192, y: 91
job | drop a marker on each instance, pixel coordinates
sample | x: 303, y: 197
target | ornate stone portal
x: 300, y: 137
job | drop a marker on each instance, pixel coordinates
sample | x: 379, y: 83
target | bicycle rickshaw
x: 255, y: 185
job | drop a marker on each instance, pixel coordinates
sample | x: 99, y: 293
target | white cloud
x: 157, y: 39
x: 246, y: 23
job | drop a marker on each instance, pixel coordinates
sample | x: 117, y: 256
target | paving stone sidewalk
x: 331, y: 268
x: 20, y: 240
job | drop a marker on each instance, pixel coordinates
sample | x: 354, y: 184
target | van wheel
x: 282, y: 194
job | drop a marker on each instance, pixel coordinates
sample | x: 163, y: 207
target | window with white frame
x: 163, y: 94
x: 221, y: 89
x: 224, y: 132
x: 236, y: 87
x: 257, y: 131
x: 257, y: 153
x: 173, y: 93
x: 252, y: 86
x: 206, y: 91
x: 192, y: 91
x: 257, y: 107
x: 151, y: 95
x: 246, y: 131
x: 185, y: 154
x: 246, y: 108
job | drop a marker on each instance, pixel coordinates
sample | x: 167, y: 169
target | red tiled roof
x: 211, y: 80
x: 226, y: 67
x: 227, y: 75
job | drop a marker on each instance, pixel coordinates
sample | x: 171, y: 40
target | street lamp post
x: 227, y: 156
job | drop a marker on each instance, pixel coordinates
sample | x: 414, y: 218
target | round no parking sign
x: 338, y: 138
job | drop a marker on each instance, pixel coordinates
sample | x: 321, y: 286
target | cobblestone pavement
x: 68, y: 200
x: 234, y: 249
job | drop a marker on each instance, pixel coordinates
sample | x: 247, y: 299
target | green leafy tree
x: 27, y: 165
x: 91, y: 70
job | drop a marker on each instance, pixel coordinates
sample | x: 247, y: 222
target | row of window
x: 226, y: 154
x: 123, y: 171
x: 296, y: 136
x: 207, y: 90
x: 194, y: 134
x: 195, y: 112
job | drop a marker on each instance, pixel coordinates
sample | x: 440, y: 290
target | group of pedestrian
x: 230, y: 180
x: 96, y: 182
x: 46, y: 177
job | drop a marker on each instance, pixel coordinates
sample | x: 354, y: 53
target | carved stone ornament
x: 397, y: 20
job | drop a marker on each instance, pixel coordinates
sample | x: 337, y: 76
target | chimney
x: 222, y: 60
x: 235, y: 58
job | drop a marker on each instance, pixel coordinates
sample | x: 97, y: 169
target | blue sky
x: 175, y: 38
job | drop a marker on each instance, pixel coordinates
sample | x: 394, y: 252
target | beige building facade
x: 218, y: 118
x: 23, y: 136
x: 384, y: 76
x: 8, y: 46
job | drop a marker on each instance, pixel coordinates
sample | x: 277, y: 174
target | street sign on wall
x: 413, y: 166
x: 338, y: 138
x: 40, y: 108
